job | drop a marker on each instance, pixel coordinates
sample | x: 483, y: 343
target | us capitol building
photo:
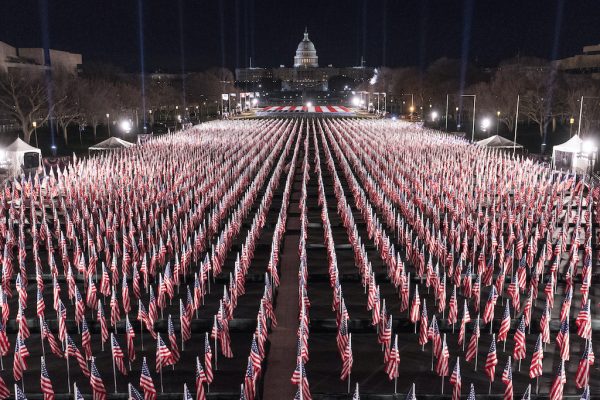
x: 305, y: 75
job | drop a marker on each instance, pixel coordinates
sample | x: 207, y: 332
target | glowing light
x: 434, y: 115
x: 588, y: 146
x: 355, y: 101
x: 411, y: 109
x: 125, y: 126
x: 485, y: 123
x: 309, y: 104
x: 254, y: 102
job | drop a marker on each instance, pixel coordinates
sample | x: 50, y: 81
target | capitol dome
x: 306, y: 54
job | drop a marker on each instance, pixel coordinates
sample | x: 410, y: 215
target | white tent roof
x: 20, y: 146
x: 112, y: 143
x: 572, y: 145
x: 498, y: 142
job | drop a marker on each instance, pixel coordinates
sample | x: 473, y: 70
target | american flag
x: 455, y: 380
x: 172, y: 340
x: 491, y: 361
x: 505, y: 323
x: 200, y: 380
x: 416, y: 303
x: 146, y: 382
x: 423, y: 325
x: 102, y: 320
x: 129, y: 336
x: 208, y: 360
x: 537, y: 359
x: 19, y: 395
x: 471, y: 393
x: 134, y: 394
x: 442, y: 365
x: 47, y: 334
x: 118, y: 355
x: 4, y: 392
x: 98, y: 390
x: 507, y: 380
x: 527, y: 394
x: 255, y: 356
x: 20, y: 358
x: 186, y: 393
x: 562, y: 339
x: 556, y: 390
x: 41, y: 306
x: 519, y: 352
x: 586, y: 394
x: 163, y: 354
x: 4, y: 343
x: 249, y: 381
x: 488, y: 312
x: 474, y: 342
x: 582, y: 376
x: 391, y: 369
x: 45, y: 382
x: 86, y: 339
x: 185, y: 322
x: 73, y: 351
x: 347, y: 360
x: 584, y: 322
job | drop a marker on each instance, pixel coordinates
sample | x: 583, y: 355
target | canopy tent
x: 498, y: 142
x: 20, y: 155
x: 574, y: 154
x: 112, y: 143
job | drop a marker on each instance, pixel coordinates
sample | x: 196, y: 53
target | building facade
x: 586, y: 63
x: 305, y: 75
x: 35, y: 59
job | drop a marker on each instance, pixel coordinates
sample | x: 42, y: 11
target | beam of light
x: 142, y: 64
x: 43, y: 8
x: 222, y: 37
x: 560, y: 5
x: 466, y: 42
x: 182, y: 54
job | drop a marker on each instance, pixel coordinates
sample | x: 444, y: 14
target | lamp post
x: 108, y: 123
x: 581, y: 112
x: 34, y: 123
x: 497, y: 120
x: 474, y: 96
x: 571, y: 122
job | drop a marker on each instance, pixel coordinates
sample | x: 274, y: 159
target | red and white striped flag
x: 491, y: 360
x: 45, y: 382
x: 507, y: 380
x: 558, y: 384
x: 98, y: 389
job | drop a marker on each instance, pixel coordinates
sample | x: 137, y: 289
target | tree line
x: 37, y: 97
x: 547, y: 95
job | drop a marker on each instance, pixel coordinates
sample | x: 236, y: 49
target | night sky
x: 228, y: 32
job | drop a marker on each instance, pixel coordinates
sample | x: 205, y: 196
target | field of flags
x: 426, y: 267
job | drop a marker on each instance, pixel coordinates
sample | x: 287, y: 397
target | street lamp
x: 355, y: 101
x: 108, y: 123
x: 434, y: 115
x: 571, y: 122
x: 308, y: 104
x: 34, y: 123
x: 125, y: 126
x: 497, y: 120
x: 485, y: 123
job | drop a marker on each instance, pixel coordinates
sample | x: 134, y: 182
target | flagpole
x: 41, y: 337
x: 162, y: 390
x: 442, y: 384
x: 141, y: 327
x: 476, y: 350
x: 216, y: 348
x: 180, y: 324
x: 112, y: 348
x: 408, y: 294
x: 68, y: 370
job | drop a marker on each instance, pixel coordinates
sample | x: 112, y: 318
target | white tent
x: 19, y: 155
x: 112, y: 143
x: 498, y: 142
x: 574, y: 154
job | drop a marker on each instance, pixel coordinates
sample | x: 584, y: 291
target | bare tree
x: 68, y: 111
x: 95, y: 101
x: 24, y: 96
